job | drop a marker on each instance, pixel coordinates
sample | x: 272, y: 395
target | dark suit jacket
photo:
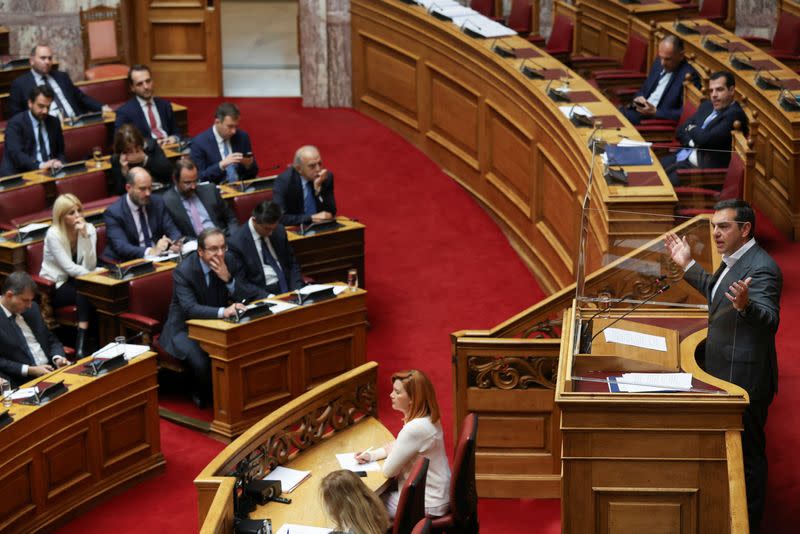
x: 158, y: 165
x: 193, y: 299
x: 122, y: 240
x: 243, y: 248
x: 715, y: 136
x: 131, y: 113
x: 740, y: 347
x: 77, y: 99
x: 219, y: 211
x: 671, y: 103
x: 205, y: 154
x: 20, y: 150
x: 288, y: 194
x: 13, y: 355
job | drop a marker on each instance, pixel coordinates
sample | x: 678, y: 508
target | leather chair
x: 560, y: 43
x: 243, y: 205
x: 80, y: 142
x: 484, y: 7
x: 463, y: 515
x: 91, y: 188
x: 785, y: 44
x: 65, y: 315
x: 423, y: 527
x: 101, y: 31
x: 605, y: 72
x: 18, y: 205
x: 112, y: 92
x: 411, y: 505
x: 520, y: 17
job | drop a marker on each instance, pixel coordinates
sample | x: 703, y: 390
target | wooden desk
x: 258, y: 366
x: 58, y: 459
x: 499, y: 135
x: 776, y: 188
x: 327, y: 256
x: 334, y: 417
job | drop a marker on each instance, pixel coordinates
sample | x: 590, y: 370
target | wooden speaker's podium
x: 655, y: 462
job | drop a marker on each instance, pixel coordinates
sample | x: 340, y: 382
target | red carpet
x: 435, y: 263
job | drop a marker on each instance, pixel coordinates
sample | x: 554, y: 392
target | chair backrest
x: 34, y: 255
x: 243, y: 205
x: 110, y: 91
x: 519, y: 18
x: 787, y: 34
x: 714, y: 9
x: 463, y: 493
x: 151, y: 295
x: 733, y: 186
x: 87, y: 187
x: 20, y: 202
x: 423, y: 527
x: 635, y: 58
x: 411, y: 505
x: 484, y: 7
x: 101, y: 31
x: 80, y: 142
x: 561, y: 35
x: 101, y: 240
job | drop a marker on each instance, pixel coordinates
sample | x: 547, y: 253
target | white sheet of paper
x: 635, y: 339
x: 23, y: 393
x: 633, y: 142
x: 644, y: 382
x: 310, y: 288
x: 131, y: 351
x: 277, y: 306
x: 33, y: 227
x: 164, y: 257
x: 579, y: 110
x: 189, y: 246
x: 348, y: 461
x: 290, y: 528
x: 290, y: 478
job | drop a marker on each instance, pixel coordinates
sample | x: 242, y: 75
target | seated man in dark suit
x: 27, y: 347
x: 69, y: 101
x: 206, y: 285
x: 135, y: 222
x: 223, y: 152
x: 706, y: 136
x: 661, y: 96
x: 33, y: 139
x: 195, y: 207
x: 262, y: 249
x: 151, y: 115
x: 304, y: 191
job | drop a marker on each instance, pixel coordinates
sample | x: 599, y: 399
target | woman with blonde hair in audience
x: 70, y: 251
x: 350, y: 504
x: 421, y: 435
x: 131, y: 149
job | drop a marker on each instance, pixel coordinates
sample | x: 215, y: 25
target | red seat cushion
x: 17, y: 203
x: 243, y: 205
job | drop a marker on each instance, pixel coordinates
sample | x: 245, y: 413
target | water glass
x: 97, y: 154
x: 5, y: 389
x: 120, y: 341
x: 352, y: 279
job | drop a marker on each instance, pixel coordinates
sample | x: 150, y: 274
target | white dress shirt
x: 270, y: 276
x: 658, y: 92
x: 221, y: 144
x: 33, y: 345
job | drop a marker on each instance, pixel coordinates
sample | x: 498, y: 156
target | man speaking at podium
x: 743, y: 314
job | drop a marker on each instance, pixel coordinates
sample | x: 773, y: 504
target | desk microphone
x: 661, y: 290
x: 467, y: 21
x: 530, y: 73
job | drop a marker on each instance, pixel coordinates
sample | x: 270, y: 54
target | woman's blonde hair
x: 351, y: 505
x: 421, y: 395
x: 63, y: 205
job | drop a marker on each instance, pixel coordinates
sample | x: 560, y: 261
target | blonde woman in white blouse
x: 421, y: 435
x: 70, y: 251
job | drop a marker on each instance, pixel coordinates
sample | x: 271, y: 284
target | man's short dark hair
x: 17, y: 282
x: 675, y: 41
x: 744, y: 212
x: 205, y: 234
x: 181, y: 164
x: 33, y: 49
x: 730, y: 81
x: 267, y: 212
x: 44, y: 90
x: 226, y: 109
x: 137, y: 67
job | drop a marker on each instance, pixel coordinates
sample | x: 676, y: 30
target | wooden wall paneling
x: 453, y: 115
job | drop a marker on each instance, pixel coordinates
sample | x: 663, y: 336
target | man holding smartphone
x: 223, y: 153
x: 661, y: 96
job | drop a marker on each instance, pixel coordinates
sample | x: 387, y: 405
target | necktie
x: 309, y: 205
x: 22, y: 341
x: 43, y: 149
x: 230, y: 170
x: 194, y: 213
x: 154, y: 129
x: 57, y: 100
x: 269, y: 260
x: 684, y: 153
x: 148, y: 239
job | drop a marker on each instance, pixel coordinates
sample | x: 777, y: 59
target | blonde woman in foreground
x: 351, y: 505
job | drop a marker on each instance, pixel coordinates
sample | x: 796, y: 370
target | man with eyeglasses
x: 206, y: 285
x: 304, y: 191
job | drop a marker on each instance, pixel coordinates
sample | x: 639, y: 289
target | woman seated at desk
x: 413, y: 394
x: 351, y: 505
x: 70, y: 251
x: 132, y: 150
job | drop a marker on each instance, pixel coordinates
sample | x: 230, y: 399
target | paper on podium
x: 131, y: 351
x: 289, y: 528
x: 649, y: 382
x: 23, y: 393
x: 348, y: 461
x: 277, y: 306
x: 290, y: 478
x: 32, y: 227
x: 162, y: 257
x: 577, y: 110
x: 311, y: 288
x: 635, y: 339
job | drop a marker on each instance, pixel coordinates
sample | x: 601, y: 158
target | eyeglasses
x: 214, y: 250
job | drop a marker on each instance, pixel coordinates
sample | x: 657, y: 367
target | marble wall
x: 325, y: 53
x: 55, y: 22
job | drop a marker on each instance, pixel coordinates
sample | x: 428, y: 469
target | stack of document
x: 289, y: 478
x: 348, y: 461
x: 650, y: 382
x: 312, y: 288
x: 568, y: 111
x: 467, y: 18
x: 111, y: 351
x: 635, y: 339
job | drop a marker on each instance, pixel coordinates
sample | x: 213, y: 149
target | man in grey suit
x: 195, y: 207
x: 743, y: 314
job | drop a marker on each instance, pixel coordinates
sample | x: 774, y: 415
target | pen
x: 366, y: 451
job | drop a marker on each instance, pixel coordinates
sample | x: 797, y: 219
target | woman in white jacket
x: 421, y: 435
x: 70, y: 251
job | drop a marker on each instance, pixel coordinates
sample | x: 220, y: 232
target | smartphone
x: 247, y: 155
